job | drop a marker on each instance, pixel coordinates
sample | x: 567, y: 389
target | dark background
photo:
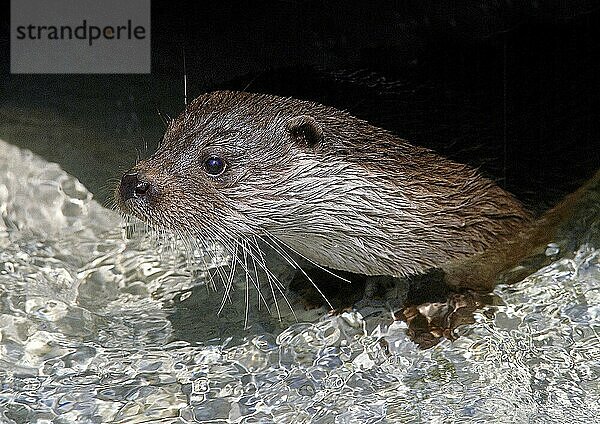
x: 510, y: 87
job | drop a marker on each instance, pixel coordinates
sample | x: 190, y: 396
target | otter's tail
x: 485, y: 270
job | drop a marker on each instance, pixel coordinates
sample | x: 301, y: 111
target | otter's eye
x: 214, y: 166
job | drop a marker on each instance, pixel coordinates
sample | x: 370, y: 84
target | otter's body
x: 329, y: 186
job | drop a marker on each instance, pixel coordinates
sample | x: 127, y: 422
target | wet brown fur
x: 307, y: 174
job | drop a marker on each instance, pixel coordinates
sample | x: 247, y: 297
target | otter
x: 239, y: 168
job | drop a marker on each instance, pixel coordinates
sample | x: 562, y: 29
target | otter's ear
x: 306, y: 130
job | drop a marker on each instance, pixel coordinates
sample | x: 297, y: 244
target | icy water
x: 95, y: 328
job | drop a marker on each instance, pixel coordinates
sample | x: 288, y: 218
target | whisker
x: 302, y: 271
x: 237, y: 249
x: 246, y: 294
x: 273, y: 281
x: 328, y: 271
x: 260, y: 295
x: 247, y: 252
x: 229, y: 286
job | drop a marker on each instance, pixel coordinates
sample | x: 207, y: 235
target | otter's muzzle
x: 133, y: 186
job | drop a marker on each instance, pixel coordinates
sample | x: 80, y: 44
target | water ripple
x: 92, y: 329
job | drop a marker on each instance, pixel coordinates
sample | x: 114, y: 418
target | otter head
x: 329, y: 186
x: 231, y: 165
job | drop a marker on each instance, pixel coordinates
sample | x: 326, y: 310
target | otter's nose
x: 133, y: 186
